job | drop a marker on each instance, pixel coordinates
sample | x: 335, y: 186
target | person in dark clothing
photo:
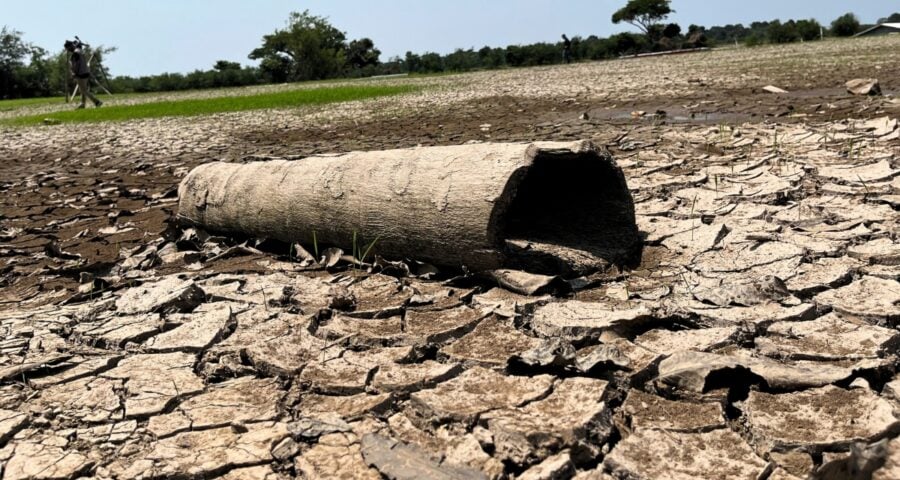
x: 80, y: 69
x: 567, y: 49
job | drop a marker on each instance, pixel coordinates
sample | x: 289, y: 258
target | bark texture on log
x: 543, y: 206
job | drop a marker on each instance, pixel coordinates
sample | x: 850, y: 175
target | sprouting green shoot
x: 369, y: 249
x: 864, y: 186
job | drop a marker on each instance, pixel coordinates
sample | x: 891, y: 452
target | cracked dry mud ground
x: 757, y: 338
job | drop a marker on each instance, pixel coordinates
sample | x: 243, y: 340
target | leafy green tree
x: 58, y: 77
x: 413, y: 62
x: 643, y: 14
x: 846, y: 25
x: 34, y: 78
x: 492, y: 57
x: 12, y: 48
x: 672, y: 30
x: 362, y: 53
x: 627, y: 44
x: 462, y: 60
x: 309, y: 48
x: 432, y: 62
x: 809, y: 29
x: 13, y: 52
x: 782, y: 32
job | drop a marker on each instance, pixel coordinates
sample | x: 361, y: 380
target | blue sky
x: 155, y: 36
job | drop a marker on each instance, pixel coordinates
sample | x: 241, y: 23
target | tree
x: 809, y: 29
x: 309, y: 48
x: 225, y: 65
x: 894, y: 18
x: 672, y: 30
x: 626, y: 43
x: 782, y: 32
x: 13, y: 51
x: 413, y: 63
x: 643, y: 14
x: 362, y: 53
x: 695, y: 37
x: 12, y: 48
x: 845, y: 26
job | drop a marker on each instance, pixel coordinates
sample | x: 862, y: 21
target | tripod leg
x: 105, y: 90
x: 97, y: 83
x: 105, y: 79
x: 66, y: 76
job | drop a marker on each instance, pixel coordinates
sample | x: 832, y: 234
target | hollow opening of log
x: 570, y: 213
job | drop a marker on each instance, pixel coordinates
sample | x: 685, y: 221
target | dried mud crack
x: 756, y: 338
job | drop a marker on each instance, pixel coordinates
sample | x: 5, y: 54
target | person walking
x: 567, y: 49
x: 80, y: 69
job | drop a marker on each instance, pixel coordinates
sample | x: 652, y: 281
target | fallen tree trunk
x: 548, y: 207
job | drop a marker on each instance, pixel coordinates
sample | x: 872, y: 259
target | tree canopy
x: 310, y: 48
x: 643, y: 14
x: 845, y: 26
x: 13, y: 52
x: 893, y: 18
x: 362, y: 53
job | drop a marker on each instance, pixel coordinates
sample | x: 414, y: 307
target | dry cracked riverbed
x: 757, y: 338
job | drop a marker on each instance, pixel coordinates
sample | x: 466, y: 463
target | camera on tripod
x: 75, y: 44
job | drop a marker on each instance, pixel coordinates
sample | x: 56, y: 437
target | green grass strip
x: 6, y: 105
x: 205, y: 106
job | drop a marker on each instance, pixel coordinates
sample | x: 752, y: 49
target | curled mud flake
x: 882, y: 251
x: 827, y: 418
x: 691, y: 371
x: 701, y: 340
x: 576, y: 320
x: 556, y: 466
x: 347, y: 407
x: 571, y: 413
x: 830, y: 337
x: 198, y: 330
x: 404, y: 378
x: 870, y: 298
x: 399, y: 461
x: 335, y: 455
x: 202, y: 453
x: 475, y: 391
x: 645, y: 411
x: 167, y: 295
x: 687, y: 455
x: 492, y: 343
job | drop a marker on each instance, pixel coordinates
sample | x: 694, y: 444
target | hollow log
x: 560, y: 208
